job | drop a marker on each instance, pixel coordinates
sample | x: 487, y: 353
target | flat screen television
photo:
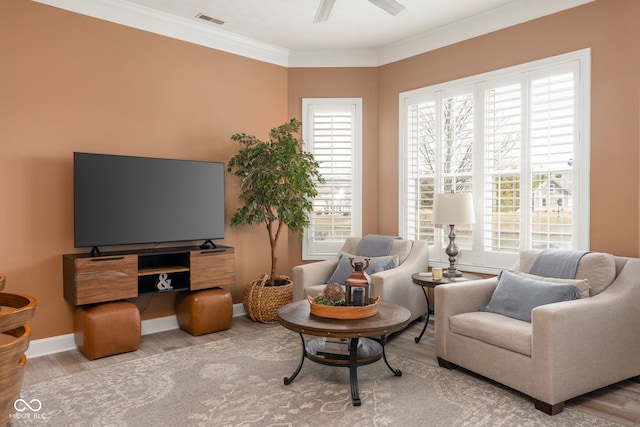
x: 123, y: 200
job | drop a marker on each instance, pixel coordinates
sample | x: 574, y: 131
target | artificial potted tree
x: 277, y: 182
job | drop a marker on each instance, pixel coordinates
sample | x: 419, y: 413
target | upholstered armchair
x: 392, y: 285
x: 567, y: 349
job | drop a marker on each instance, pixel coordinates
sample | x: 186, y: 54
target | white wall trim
x: 204, y: 34
x: 333, y: 58
x: 158, y: 22
x: 496, y: 19
x: 60, y: 343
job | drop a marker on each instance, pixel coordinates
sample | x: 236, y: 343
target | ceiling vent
x: 210, y: 19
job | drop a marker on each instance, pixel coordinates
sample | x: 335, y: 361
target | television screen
x: 120, y: 200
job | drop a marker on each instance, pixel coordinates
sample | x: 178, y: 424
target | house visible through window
x: 518, y: 140
x: 332, y: 131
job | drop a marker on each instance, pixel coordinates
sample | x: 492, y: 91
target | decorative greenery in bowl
x: 320, y: 299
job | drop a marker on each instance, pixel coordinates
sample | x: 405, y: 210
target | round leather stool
x: 107, y: 329
x: 205, y: 311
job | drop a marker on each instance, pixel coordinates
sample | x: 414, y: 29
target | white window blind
x: 517, y: 139
x: 552, y: 140
x: 332, y: 130
x: 420, y: 177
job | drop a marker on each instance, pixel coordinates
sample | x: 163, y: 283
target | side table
x: 425, y: 280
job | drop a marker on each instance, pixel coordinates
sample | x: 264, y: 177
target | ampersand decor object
x: 164, y: 284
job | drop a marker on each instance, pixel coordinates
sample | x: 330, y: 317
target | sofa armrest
x: 456, y: 298
x: 463, y: 297
x: 395, y: 285
x: 581, y: 345
x: 417, y: 260
x: 315, y: 273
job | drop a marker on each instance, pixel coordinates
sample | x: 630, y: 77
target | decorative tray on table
x: 344, y: 311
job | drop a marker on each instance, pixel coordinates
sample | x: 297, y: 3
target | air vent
x: 210, y: 19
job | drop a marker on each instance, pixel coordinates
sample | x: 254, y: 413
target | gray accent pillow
x: 517, y: 296
x: 582, y: 284
x: 376, y: 265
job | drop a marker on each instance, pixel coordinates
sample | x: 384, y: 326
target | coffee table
x: 389, y: 319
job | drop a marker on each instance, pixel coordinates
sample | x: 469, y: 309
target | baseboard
x: 60, y: 343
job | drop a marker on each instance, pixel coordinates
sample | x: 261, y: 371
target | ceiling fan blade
x: 389, y: 6
x: 324, y: 9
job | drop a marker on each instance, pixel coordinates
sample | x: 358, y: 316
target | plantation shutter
x: 420, y: 166
x: 333, y: 138
x: 517, y: 139
x: 551, y: 158
x: 456, y: 158
x: 502, y: 159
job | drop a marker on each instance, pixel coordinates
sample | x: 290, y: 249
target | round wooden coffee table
x: 361, y: 350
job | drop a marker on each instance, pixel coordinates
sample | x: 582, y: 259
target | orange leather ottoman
x: 205, y: 311
x: 107, y: 329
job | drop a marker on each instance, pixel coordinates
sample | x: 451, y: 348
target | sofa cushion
x: 517, y: 296
x: 598, y: 267
x: 376, y: 265
x: 582, y: 284
x: 494, y: 329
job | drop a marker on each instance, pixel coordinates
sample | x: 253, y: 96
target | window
x: 332, y: 130
x: 518, y: 140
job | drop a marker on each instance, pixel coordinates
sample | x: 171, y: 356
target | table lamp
x: 451, y: 209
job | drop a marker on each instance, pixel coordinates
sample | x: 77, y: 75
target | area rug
x: 239, y: 382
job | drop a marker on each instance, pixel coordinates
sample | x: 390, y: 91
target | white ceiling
x: 357, y: 33
x: 352, y: 24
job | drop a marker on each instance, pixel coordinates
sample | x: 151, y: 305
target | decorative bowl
x: 21, y: 310
x: 344, y: 312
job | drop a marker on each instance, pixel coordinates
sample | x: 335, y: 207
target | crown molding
x: 484, y: 23
x: 333, y: 58
x: 158, y: 22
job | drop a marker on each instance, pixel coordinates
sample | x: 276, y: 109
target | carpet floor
x: 239, y: 382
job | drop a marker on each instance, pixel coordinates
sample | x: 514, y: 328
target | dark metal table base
x: 352, y: 362
x: 426, y: 322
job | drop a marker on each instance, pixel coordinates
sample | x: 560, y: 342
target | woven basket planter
x: 261, y: 301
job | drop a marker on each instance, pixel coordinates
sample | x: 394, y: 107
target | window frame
x: 477, y: 259
x: 309, y: 105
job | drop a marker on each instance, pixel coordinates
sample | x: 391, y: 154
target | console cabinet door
x: 210, y: 268
x: 90, y: 280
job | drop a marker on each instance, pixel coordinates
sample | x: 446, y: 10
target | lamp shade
x: 454, y: 208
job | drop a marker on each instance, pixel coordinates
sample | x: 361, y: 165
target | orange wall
x: 73, y: 83
x: 343, y: 83
x: 611, y: 29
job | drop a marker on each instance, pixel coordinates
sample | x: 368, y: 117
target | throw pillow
x: 376, y: 265
x: 582, y: 284
x: 517, y: 296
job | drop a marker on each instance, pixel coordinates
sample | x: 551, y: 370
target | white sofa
x: 392, y: 285
x: 569, y: 348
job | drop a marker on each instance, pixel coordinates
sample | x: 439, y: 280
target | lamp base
x: 452, y: 251
x: 451, y: 273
